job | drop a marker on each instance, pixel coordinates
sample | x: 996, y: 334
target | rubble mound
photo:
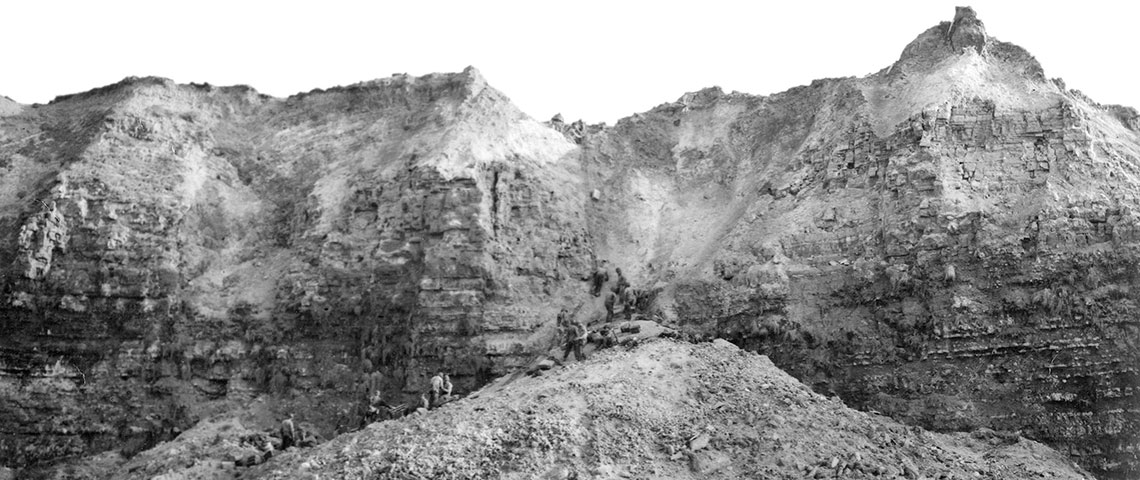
x: 665, y: 409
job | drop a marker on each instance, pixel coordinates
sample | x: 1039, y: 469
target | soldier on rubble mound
x: 288, y: 432
x: 629, y: 303
x: 607, y: 337
x: 576, y: 337
x: 436, y: 387
x: 376, y: 407
x: 447, y: 386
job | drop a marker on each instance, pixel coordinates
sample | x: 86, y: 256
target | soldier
x: 622, y: 284
x: 611, y: 299
x: 436, y: 387
x: 563, y: 317
x: 607, y: 337
x: 629, y: 303
x: 288, y: 433
x: 576, y: 337
x: 376, y: 407
x: 599, y: 278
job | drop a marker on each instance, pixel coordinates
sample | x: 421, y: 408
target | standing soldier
x: 575, y: 338
x: 436, y: 387
x: 629, y: 302
x: 375, y: 407
x: 611, y: 299
x: 599, y: 278
x: 622, y: 284
x: 288, y: 433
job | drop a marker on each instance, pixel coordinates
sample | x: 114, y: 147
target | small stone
x: 560, y: 472
x: 708, y: 461
x: 699, y: 442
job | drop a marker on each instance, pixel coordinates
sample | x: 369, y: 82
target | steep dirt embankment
x: 661, y: 410
x: 952, y: 240
x: 170, y: 251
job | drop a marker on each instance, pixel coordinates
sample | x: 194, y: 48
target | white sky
x: 596, y: 60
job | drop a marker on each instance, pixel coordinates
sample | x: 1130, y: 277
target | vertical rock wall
x: 184, y: 249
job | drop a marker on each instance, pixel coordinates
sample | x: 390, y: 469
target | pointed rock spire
x: 967, y: 30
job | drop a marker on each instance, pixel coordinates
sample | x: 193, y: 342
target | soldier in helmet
x: 622, y: 284
x: 288, y: 432
x: 599, y: 278
x: 576, y: 337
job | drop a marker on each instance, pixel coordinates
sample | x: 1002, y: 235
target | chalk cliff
x: 951, y: 241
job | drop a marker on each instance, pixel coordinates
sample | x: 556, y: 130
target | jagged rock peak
x: 462, y: 85
x: 965, y: 34
x: 966, y: 30
x: 120, y: 86
x: 948, y: 38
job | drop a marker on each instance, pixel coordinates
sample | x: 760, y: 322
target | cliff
x: 173, y: 250
x: 950, y: 241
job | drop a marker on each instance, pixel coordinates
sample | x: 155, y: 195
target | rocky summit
x: 952, y: 242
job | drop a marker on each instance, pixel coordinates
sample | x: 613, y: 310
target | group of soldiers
x: 575, y: 335
x: 620, y: 295
x: 438, y: 393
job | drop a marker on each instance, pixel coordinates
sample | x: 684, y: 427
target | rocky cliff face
x: 951, y: 241
x: 171, y: 251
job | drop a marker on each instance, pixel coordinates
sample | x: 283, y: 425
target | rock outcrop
x: 951, y: 241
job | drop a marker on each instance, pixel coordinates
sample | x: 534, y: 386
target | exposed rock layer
x: 172, y: 250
